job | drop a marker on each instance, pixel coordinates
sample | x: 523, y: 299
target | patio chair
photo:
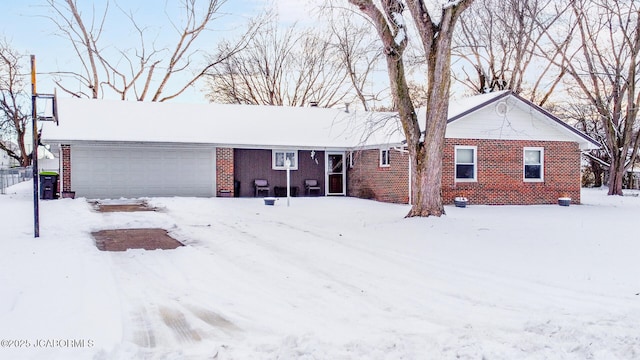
x: 261, y: 185
x: 311, y: 185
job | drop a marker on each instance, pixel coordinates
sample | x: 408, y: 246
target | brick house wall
x: 66, y: 167
x: 368, y: 180
x: 224, y: 172
x: 499, y: 174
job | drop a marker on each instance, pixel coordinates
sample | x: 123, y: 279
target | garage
x: 99, y: 172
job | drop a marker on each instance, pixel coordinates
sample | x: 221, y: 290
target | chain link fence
x: 12, y: 176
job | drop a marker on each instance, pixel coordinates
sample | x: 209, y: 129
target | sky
x: 26, y: 26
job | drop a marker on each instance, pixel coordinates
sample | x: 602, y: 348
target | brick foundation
x: 224, y: 172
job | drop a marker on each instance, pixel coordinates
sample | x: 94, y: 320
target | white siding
x: 518, y: 123
x: 121, y: 171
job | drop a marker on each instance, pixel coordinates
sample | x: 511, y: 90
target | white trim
x: 294, y: 165
x: 524, y: 150
x: 326, y: 172
x: 214, y: 170
x: 381, y: 163
x: 475, y: 163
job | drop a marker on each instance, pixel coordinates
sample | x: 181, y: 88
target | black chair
x: 261, y: 185
x: 311, y: 185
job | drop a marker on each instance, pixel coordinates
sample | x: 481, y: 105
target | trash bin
x: 48, y: 185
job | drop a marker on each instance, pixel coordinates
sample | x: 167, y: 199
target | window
x: 384, y: 158
x: 466, y: 169
x: 533, y: 164
x: 279, y: 157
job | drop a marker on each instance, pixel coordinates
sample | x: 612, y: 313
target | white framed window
x: 385, y: 160
x: 533, y: 161
x: 279, y: 159
x: 466, y: 159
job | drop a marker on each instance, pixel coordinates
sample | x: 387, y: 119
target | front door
x: 335, y: 174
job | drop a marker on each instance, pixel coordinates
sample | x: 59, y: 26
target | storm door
x: 335, y: 173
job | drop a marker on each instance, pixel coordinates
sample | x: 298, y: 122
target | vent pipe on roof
x: 346, y: 107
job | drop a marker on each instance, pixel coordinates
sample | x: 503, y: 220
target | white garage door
x: 114, y: 172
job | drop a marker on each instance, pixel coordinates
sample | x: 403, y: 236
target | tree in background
x: 603, y: 63
x: 143, y: 72
x: 358, y: 51
x: 582, y: 115
x: 14, y: 117
x: 500, y: 45
x: 292, y: 67
x: 435, y: 28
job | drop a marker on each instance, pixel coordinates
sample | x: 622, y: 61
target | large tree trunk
x: 427, y: 176
x: 426, y: 156
x: 597, y: 170
x: 616, y: 176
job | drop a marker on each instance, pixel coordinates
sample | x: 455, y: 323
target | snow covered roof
x: 258, y: 126
x: 236, y: 125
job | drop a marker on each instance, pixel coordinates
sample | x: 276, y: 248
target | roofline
x: 530, y: 104
x: 478, y: 107
x: 135, y: 143
x: 556, y: 119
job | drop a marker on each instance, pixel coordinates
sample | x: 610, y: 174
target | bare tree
x: 281, y: 67
x: 14, y: 118
x: 582, y: 115
x: 501, y: 43
x: 145, y: 70
x: 604, y: 65
x: 358, y: 51
x: 435, y: 28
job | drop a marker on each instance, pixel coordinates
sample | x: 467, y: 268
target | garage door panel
x: 139, y: 172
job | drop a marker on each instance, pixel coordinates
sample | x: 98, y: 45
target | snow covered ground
x: 326, y: 278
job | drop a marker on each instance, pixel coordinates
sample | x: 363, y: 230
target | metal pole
x: 34, y: 152
x: 288, y: 164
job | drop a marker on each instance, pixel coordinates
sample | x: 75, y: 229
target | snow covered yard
x: 327, y: 278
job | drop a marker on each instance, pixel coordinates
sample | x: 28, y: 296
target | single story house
x: 500, y: 149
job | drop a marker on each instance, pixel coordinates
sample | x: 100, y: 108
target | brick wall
x: 499, y: 174
x: 367, y: 179
x: 66, y: 167
x: 224, y: 170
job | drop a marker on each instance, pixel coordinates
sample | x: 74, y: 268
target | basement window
x: 533, y: 164
x: 279, y: 158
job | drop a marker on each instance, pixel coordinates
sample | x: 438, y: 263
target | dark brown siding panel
x: 251, y: 164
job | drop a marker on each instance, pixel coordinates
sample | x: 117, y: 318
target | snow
x: 84, y: 120
x: 398, y: 20
x: 326, y: 278
x: 451, y: 3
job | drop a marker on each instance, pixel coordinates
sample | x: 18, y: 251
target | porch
x: 325, y: 167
